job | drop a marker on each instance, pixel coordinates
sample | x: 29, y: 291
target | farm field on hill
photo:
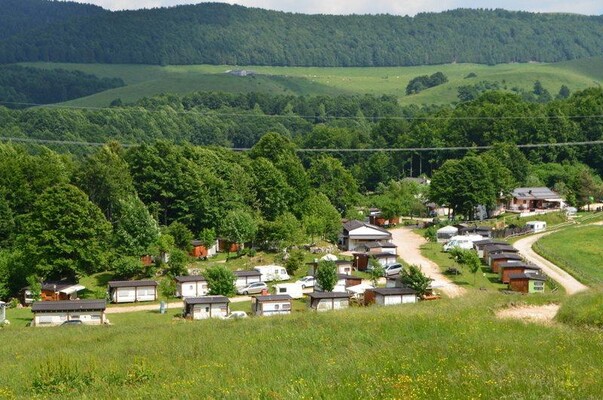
x: 578, y: 251
x: 440, y: 349
x: 148, y: 80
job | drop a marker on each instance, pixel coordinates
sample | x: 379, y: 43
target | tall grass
x: 441, y: 349
x: 583, y: 309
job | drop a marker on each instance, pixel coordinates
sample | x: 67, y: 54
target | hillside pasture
x: 149, y: 80
x: 576, y: 250
x: 439, y: 349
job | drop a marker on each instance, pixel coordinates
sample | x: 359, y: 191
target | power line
x: 326, y: 150
x: 280, y: 116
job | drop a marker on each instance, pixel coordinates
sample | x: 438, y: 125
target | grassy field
x: 148, y: 80
x: 577, y: 250
x: 441, y: 349
x: 583, y: 309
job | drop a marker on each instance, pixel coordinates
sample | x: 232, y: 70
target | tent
x: 445, y: 233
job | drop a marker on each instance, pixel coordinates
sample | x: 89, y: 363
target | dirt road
x: 569, y: 283
x: 542, y: 314
x: 409, y: 244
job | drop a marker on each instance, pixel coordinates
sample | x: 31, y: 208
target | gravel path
x: 409, y: 244
x: 542, y: 314
x: 569, y: 283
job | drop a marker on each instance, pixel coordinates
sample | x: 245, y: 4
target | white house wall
x: 57, y: 318
x: 204, y: 311
x: 130, y: 294
x: 275, y: 308
x: 192, y: 289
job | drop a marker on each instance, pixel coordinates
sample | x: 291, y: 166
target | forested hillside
x: 240, y: 120
x: 224, y: 34
x: 21, y: 86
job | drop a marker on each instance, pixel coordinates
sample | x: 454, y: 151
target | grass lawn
x: 440, y: 349
x: 149, y: 80
x: 578, y: 250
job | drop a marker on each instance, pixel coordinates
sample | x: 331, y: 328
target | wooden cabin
x: 199, y: 250
x: 390, y: 296
x: 324, y: 301
x: 53, y: 291
x: 276, y: 304
x: 527, y: 283
x: 479, y: 245
x: 497, y: 259
x: 206, y: 307
x: 191, y: 286
x: 132, y: 291
x: 53, y: 313
x: 496, y: 249
x: 513, y: 268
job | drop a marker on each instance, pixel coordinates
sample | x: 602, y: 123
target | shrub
x: 220, y: 281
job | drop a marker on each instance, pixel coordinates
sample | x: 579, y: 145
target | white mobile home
x: 391, y: 296
x: 272, y: 273
x: 206, y: 307
x: 278, y: 304
x: 462, y: 241
x: 53, y: 313
x: 191, y: 286
x: 292, y: 289
x: 244, y: 278
x: 132, y: 291
x: 537, y: 226
x: 357, y: 234
x: 324, y: 301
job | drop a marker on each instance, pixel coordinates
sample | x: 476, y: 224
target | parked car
x: 236, y: 315
x: 73, y: 322
x: 253, y: 288
x: 392, y: 269
x: 306, y: 281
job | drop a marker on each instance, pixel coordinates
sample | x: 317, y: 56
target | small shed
x: 53, y: 291
x: 132, y: 291
x: 244, y: 278
x: 536, y: 226
x: 276, y: 304
x: 390, y: 296
x: 497, y: 259
x: 505, y: 270
x: 324, y: 301
x: 52, y: 313
x: 348, y: 280
x: 206, y: 307
x: 199, y: 250
x: 343, y: 267
x: 445, y: 233
x: 361, y: 260
x: 191, y: 286
x: 381, y: 247
x: 293, y: 289
x: 527, y: 283
x: 496, y: 249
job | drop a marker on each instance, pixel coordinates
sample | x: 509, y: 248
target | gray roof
x: 206, y: 300
x: 247, y: 273
x: 385, y: 245
x: 190, y: 278
x: 536, y: 277
x: 485, y: 242
x: 535, y: 193
x: 500, y: 247
x: 346, y: 276
x: 69, y: 305
x: 394, y: 291
x: 519, y: 265
x: 117, y: 284
x: 355, y: 224
x: 273, y: 297
x: 510, y: 256
x: 328, y: 295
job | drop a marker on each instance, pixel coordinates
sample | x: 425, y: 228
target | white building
x: 52, y: 313
x: 357, y: 233
x: 324, y: 301
x: 132, y: 291
x: 279, y: 304
x: 244, y: 278
x: 206, y: 307
x: 291, y: 289
x: 391, y: 296
x: 191, y: 286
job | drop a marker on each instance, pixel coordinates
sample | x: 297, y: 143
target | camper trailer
x: 292, y: 289
x: 272, y: 273
x: 462, y: 241
x: 537, y: 226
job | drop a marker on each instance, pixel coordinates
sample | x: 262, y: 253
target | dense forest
x: 226, y: 34
x: 353, y: 122
x: 22, y: 85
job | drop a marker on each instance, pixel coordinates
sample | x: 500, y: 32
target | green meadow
x: 577, y: 250
x: 446, y: 349
x: 149, y: 80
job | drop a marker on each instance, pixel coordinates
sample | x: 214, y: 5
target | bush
x: 294, y: 262
x: 220, y: 281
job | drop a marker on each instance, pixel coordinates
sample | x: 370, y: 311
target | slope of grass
x: 148, y: 80
x: 442, y: 349
x: 585, y: 308
x: 576, y: 250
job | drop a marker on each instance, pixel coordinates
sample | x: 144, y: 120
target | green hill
x: 148, y: 80
x: 215, y: 33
